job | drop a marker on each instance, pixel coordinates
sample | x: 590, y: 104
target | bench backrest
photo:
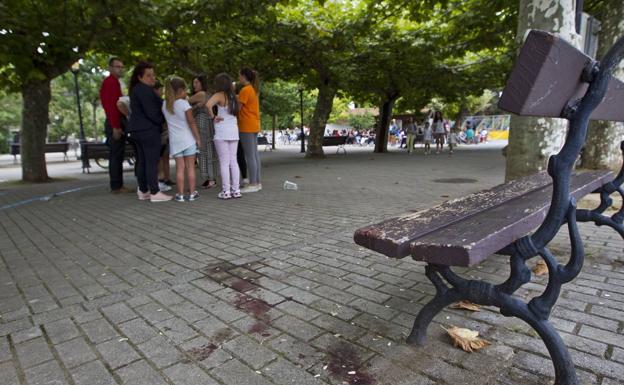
x: 263, y: 140
x: 334, y: 140
x: 548, y: 74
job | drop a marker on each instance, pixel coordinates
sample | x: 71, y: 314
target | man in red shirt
x: 110, y: 92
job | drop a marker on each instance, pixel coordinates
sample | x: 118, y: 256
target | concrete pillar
x: 533, y: 140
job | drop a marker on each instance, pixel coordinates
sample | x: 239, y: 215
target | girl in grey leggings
x: 249, y: 141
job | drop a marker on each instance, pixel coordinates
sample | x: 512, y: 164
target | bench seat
x: 463, y: 232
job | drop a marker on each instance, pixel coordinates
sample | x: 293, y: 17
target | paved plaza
x: 98, y: 288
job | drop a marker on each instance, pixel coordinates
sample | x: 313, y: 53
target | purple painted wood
x: 468, y: 242
x: 547, y: 75
x: 393, y: 236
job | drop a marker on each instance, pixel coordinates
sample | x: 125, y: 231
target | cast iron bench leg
x: 535, y: 312
x: 615, y: 221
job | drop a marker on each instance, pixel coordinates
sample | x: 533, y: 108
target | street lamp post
x: 301, y: 106
x: 75, y: 68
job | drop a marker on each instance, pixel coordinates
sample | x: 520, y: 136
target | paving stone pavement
x: 270, y: 289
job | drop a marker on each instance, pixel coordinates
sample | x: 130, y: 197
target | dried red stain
x: 202, y: 352
x: 243, y: 286
x: 343, y: 358
x: 258, y: 309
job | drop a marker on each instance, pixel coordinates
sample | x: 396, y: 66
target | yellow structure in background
x: 497, y: 126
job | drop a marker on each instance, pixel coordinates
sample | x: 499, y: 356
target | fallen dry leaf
x: 466, y: 339
x: 466, y: 305
x: 540, y: 268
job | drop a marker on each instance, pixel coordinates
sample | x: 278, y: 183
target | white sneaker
x: 160, y: 197
x: 251, y: 189
x: 245, y: 182
x: 163, y: 187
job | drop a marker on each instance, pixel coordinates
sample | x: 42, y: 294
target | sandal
x: 224, y: 195
x: 209, y: 184
x: 236, y: 194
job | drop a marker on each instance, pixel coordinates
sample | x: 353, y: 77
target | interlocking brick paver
x: 93, y: 373
x: 122, y: 300
x: 8, y: 374
x: 235, y: 372
x: 61, y: 330
x: 187, y: 374
x: 138, y: 330
x: 75, y: 352
x: 140, y: 373
x: 33, y: 352
x: 99, y: 330
x: 250, y: 351
x: 117, y: 353
x: 159, y: 351
x: 45, y: 374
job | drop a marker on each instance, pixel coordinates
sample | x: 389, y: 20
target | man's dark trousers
x: 116, y: 151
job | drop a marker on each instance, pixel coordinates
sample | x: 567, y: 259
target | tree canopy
x: 375, y: 53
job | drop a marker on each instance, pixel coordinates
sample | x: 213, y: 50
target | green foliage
x: 9, y: 118
x: 362, y: 122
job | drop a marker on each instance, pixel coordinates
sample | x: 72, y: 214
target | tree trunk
x: 35, y: 106
x: 273, y: 131
x: 463, y: 112
x: 385, y: 115
x: 533, y: 140
x: 602, y: 149
x: 324, y: 103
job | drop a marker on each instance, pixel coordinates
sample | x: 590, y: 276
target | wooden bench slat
x: 547, y: 75
x: 469, y: 241
x: 393, y: 236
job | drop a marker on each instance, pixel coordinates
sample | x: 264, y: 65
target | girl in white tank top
x: 226, y: 135
x: 227, y: 128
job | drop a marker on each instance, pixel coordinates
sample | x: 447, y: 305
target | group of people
x: 435, y: 129
x: 218, y: 131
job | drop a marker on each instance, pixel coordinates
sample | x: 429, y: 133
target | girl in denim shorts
x: 183, y: 136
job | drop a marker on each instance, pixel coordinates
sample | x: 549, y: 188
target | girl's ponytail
x: 169, y: 95
x: 172, y: 85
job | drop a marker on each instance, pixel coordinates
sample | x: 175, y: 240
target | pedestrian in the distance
x: 226, y: 135
x: 184, y: 137
x: 110, y: 92
x: 427, y: 138
x: 412, y: 131
x: 249, y: 126
x: 438, y: 131
x: 144, y: 128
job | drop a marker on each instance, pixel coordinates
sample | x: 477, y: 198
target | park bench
x: 48, y: 147
x: 550, y: 78
x: 264, y: 141
x: 99, y: 153
x: 339, y: 141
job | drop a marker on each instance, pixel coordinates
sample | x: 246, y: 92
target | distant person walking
x: 249, y: 126
x: 207, y: 159
x: 438, y: 131
x: 184, y: 137
x: 110, y: 92
x: 144, y: 128
x: 226, y: 135
x: 427, y: 138
x: 412, y: 131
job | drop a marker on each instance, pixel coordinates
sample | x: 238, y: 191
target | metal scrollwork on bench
x: 451, y: 288
x: 615, y: 221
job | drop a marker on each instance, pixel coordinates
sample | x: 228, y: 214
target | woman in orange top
x: 249, y: 126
